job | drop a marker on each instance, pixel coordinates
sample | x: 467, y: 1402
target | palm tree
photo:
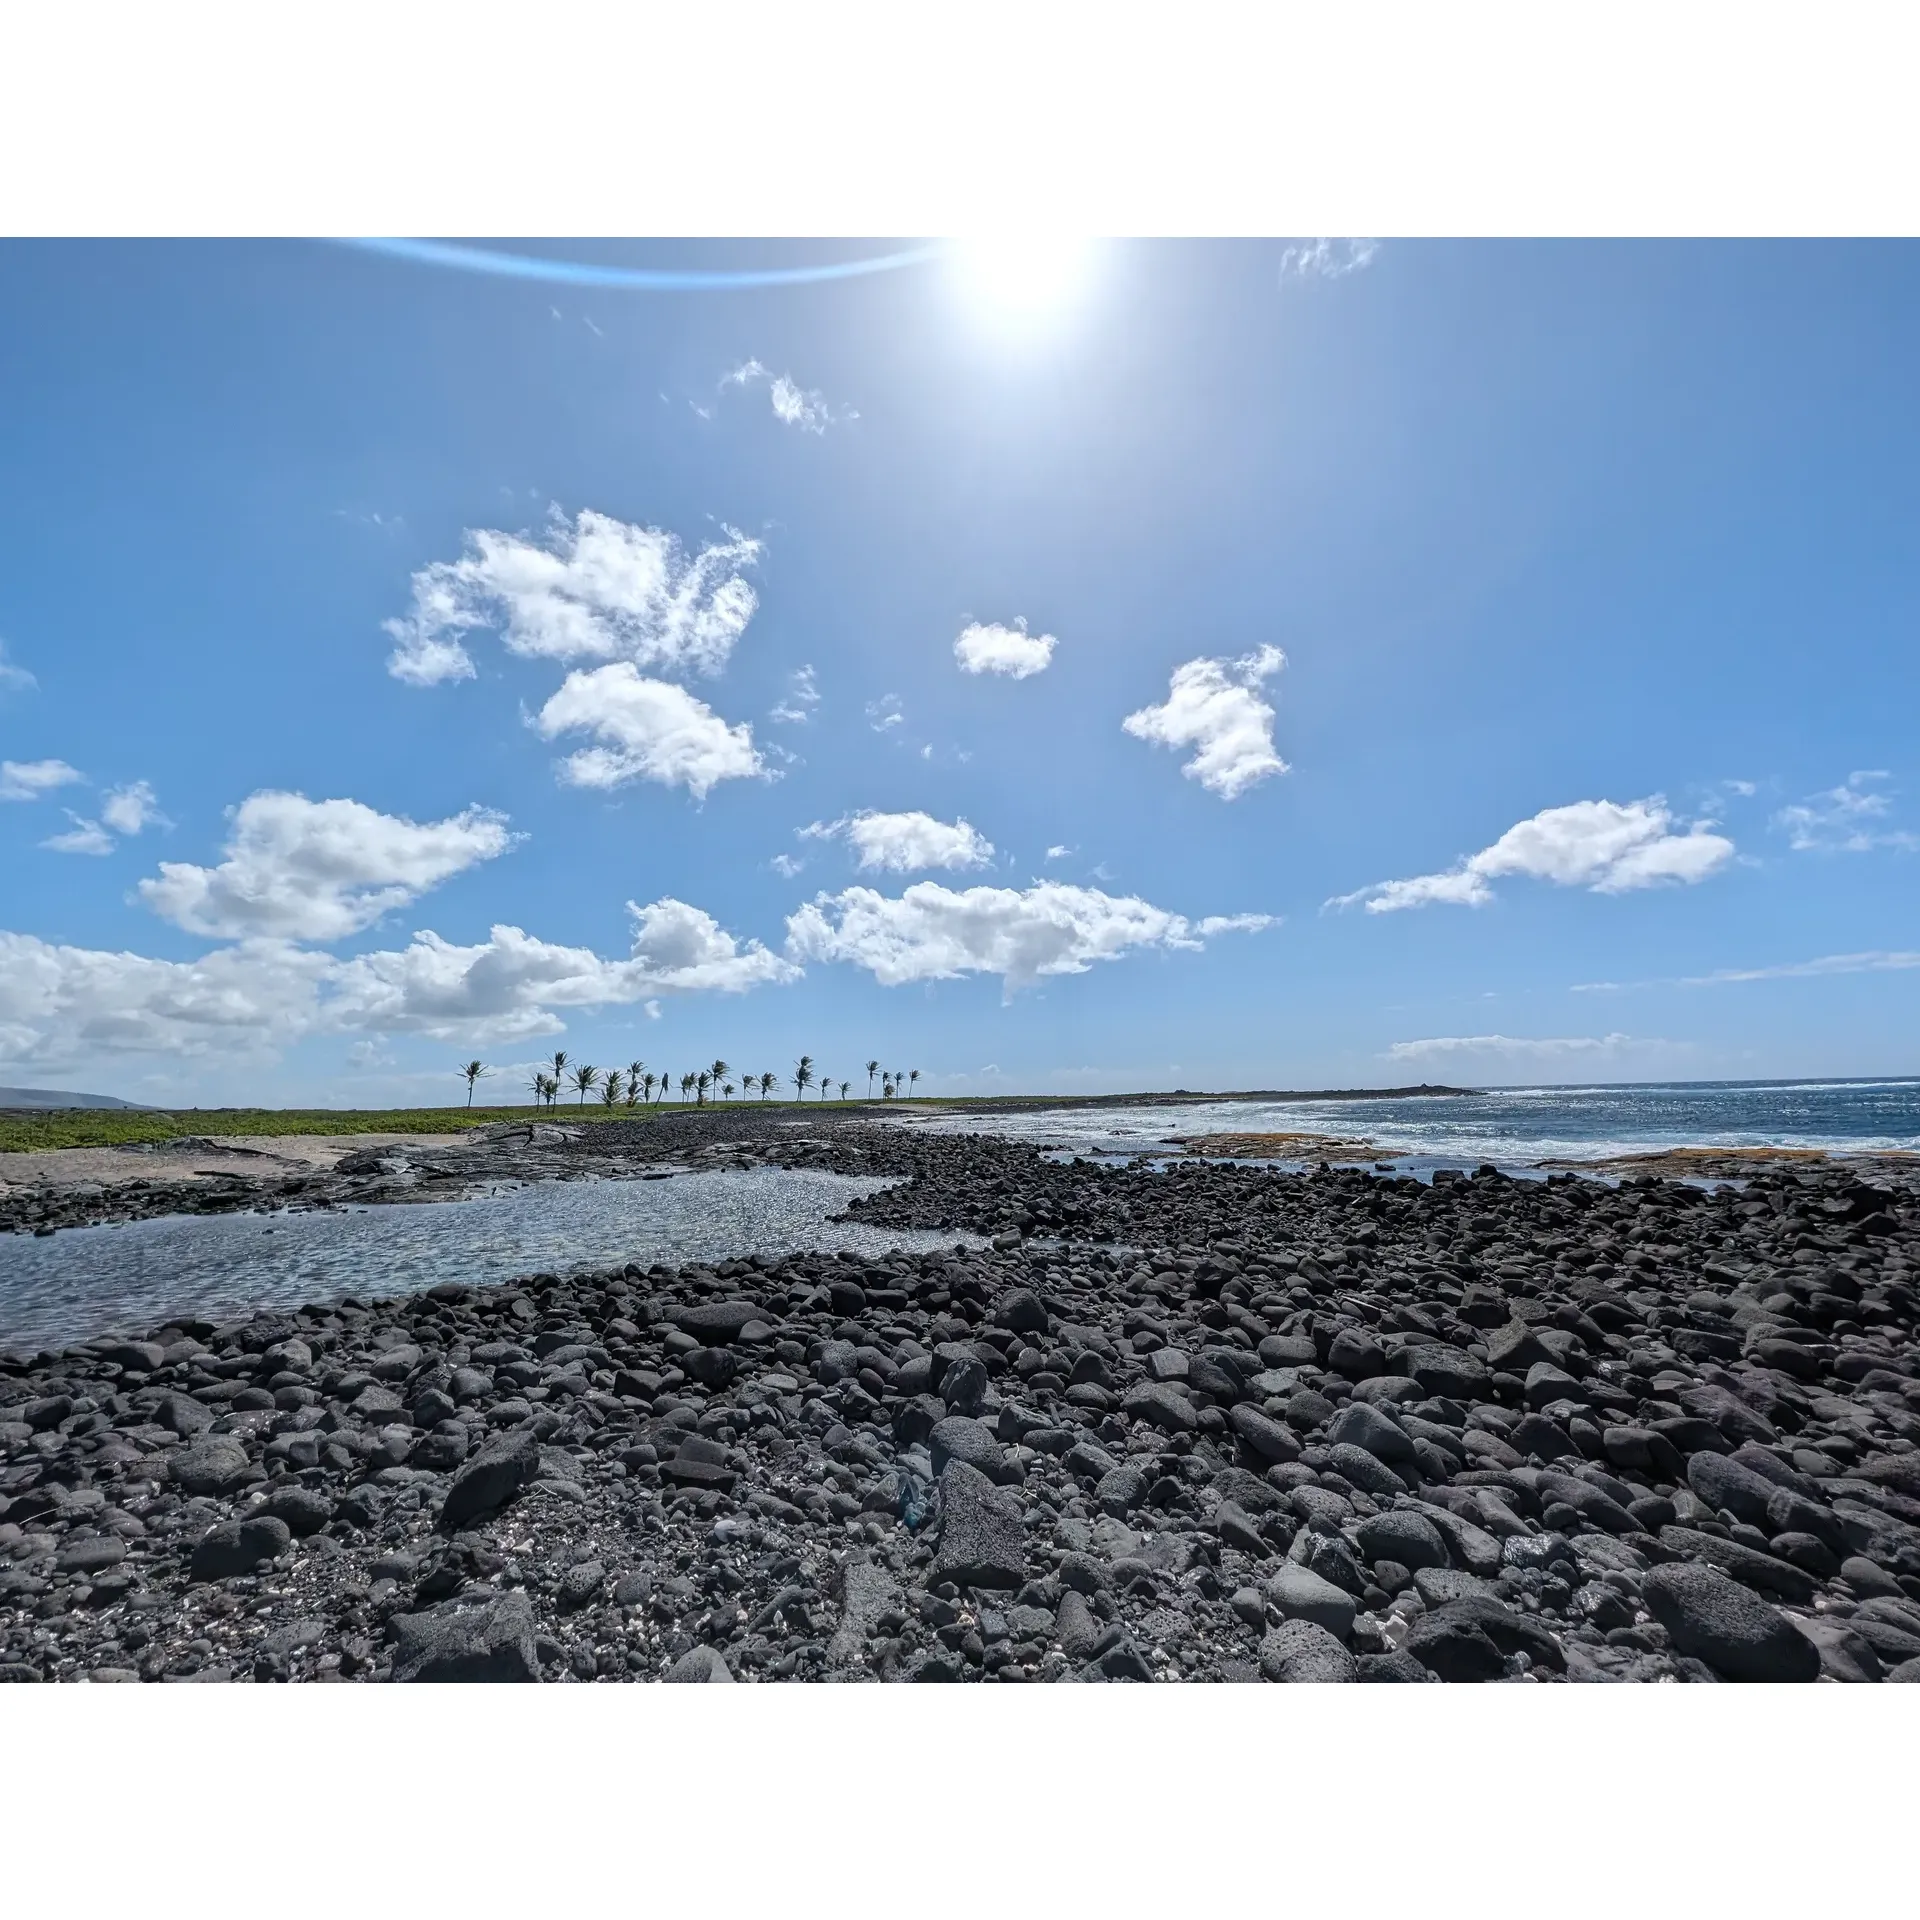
x: 886, y: 1086
x: 559, y: 1065
x: 803, y: 1075
x: 911, y: 1078
x: 727, y: 1090
x: 646, y: 1088
x: 767, y: 1084
x: 873, y: 1067
x: 585, y: 1079
x: 686, y: 1085
x: 610, y: 1088
x: 471, y: 1072
x: 537, y: 1086
x: 701, y: 1081
x: 719, y: 1071
x: 843, y: 1089
x: 633, y: 1082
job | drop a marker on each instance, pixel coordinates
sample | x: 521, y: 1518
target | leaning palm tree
x: 719, y: 1071
x: 726, y: 1092
x: 633, y: 1082
x: 610, y: 1088
x: 585, y: 1079
x: 767, y: 1084
x: 873, y: 1067
x: 843, y: 1089
x: 886, y: 1086
x: 471, y: 1072
x: 701, y: 1082
x: 802, y: 1075
x: 912, y: 1077
x: 559, y: 1065
x: 537, y: 1086
x: 646, y: 1088
x: 686, y: 1085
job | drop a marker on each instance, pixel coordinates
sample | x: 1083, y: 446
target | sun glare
x: 1023, y: 282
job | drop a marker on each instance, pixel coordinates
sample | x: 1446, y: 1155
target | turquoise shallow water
x: 88, y: 1281
x: 1515, y: 1126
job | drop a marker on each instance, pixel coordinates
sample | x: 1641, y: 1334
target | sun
x: 1023, y: 283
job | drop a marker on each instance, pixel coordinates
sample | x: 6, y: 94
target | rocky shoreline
x: 1202, y: 1422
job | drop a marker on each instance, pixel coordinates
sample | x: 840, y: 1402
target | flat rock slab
x: 490, y: 1643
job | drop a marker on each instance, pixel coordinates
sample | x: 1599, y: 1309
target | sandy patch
x: 257, y: 1157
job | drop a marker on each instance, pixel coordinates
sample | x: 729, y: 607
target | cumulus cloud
x: 905, y: 842
x: 1844, y: 819
x: 510, y: 986
x: 594, y: 588
x: 932, y: 932
x: 1327, y: 259
x: 62, y: 1003
x: 798, y: 702
x: 1213, y: 706
x: 649, y: 730
x: 129, y: 809
x: 1012, y: 651
x: 300, y: 869
x: 33, y: 779
x: 1592, y: 843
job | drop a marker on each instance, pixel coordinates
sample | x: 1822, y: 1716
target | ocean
x: 1513, y: 1127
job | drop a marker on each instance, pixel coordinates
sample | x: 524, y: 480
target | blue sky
x: 1465, y: 658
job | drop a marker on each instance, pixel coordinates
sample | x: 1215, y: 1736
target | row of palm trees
x: 636, y: 1085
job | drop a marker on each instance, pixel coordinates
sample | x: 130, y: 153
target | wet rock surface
x: 1204, y: 1422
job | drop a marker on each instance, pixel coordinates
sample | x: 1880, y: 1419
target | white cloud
x: 650, y: 730
x: 793, y: 405
x: 798, y: 702
x: 905, y: 842
x: 1873, y: 962
x: 595, y: 588
x: 885, y: 713
x: 1843, y: 819
x: 31, y: 779
x: 300, y: 869
x: 1212, y: 707
x: 509, y: 986
x: 931, y: 932
x: 1327, y: 259
x: 1592, y: 843
x: 1505, y: 1044
x: 14, y: 679
x: 60, y: 1004
x: 1012, y: 651
x: 786, y: 865
x: 129, y: 809
x: 1057, y: 853
x: 86, y: 836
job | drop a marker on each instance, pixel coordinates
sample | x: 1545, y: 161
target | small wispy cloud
x: 33, y: 779
x: 885, y: 713
x: 1511, y: 1046
x: 1830, y: 963
x: 14, y: 679
x: 1056, y: 853
x: 85, y: 836
x: 793, y: 405
x: 798, y: 702
x: 1327, y: 259
x: 786, y: 865
x: 1845, y: 819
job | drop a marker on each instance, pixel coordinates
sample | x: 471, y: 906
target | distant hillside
x: 46, y: 1097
